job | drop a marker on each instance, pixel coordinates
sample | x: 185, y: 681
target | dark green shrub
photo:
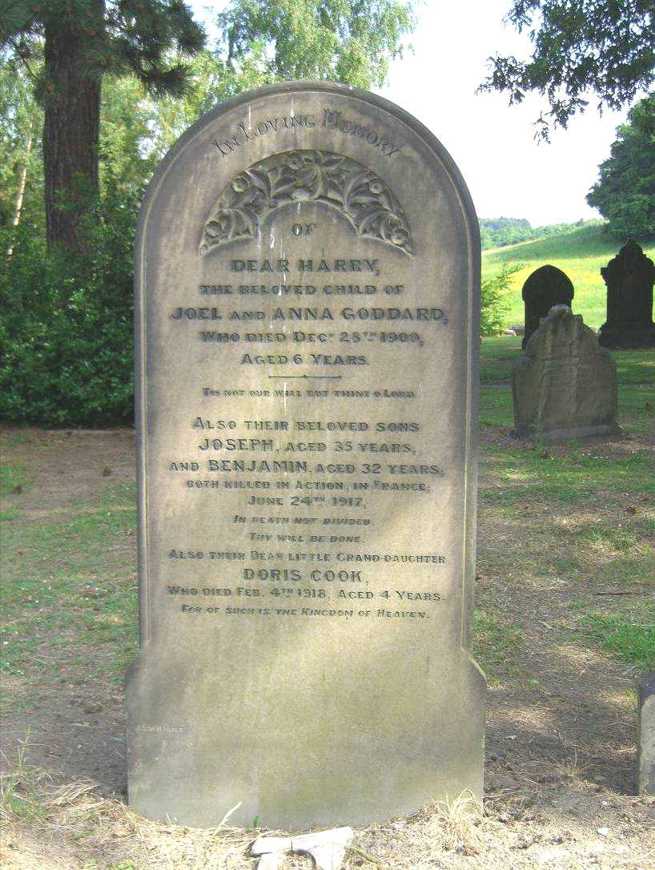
x: 66, y: 326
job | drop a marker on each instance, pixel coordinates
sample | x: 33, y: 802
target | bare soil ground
x: 561, y: 726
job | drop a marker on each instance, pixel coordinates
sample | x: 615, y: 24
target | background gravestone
x: 308, y: 301
x: 646, y: 774
x: 565, y: 385
x: 544, y: 288
x: 629, y: 278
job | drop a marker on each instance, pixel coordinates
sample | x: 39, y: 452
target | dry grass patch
x: 545, y: 815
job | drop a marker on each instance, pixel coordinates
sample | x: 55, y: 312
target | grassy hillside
x: 580, y: 254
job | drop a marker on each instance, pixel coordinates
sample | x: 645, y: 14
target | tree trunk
x: 20, y: 193
x: 71, y: 131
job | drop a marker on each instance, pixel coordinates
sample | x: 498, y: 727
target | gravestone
x: 308, y: 300
x: 544, y: 288
x: 646, y: 775
x: 629, y: 278
x: 564, y: 386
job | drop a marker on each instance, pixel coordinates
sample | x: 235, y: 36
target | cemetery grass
x: 565, y: 622
x: 580, y: 253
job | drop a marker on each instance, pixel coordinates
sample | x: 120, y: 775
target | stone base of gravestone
x: 625, y: 338
x: 646, y: 774
x: 564, y: 386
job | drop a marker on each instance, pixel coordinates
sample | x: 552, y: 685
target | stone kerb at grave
x: 544, y: 288
x: 564, y: 386
x: 629, y: 278
x: 646, y: 755
x: 308, y: 303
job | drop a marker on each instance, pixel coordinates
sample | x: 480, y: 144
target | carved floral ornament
x: 307, y: 176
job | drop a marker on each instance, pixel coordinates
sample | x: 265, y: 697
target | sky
x: 508, y: 173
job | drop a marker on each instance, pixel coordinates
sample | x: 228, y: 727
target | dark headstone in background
x: 646, y: 775
x: 564, y: 386
x: 544, y: 288
x: 629, y: 278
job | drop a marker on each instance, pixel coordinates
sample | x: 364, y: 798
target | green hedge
x: 66, y: 327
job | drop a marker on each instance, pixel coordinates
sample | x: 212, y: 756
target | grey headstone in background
x: 629, y: 278
x: 646, y: 774
x: 564, y: 386
x: 544, y: 288
x: 308, y: 335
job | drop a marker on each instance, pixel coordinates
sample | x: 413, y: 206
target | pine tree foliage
x: 118, y: 36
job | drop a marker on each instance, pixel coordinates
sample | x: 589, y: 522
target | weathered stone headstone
x: 646, y: 775
x: 544, y: 288
x: 564, y: 386
x: 629, y: 278
x: 308, y: 336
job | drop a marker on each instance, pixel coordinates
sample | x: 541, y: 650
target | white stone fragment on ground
x: 326, y: 848
x: 270, y: 844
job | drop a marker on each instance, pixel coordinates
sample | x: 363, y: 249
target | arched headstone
x: 544, y: 288
x: 308, y: 301
x: 629, y: 278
